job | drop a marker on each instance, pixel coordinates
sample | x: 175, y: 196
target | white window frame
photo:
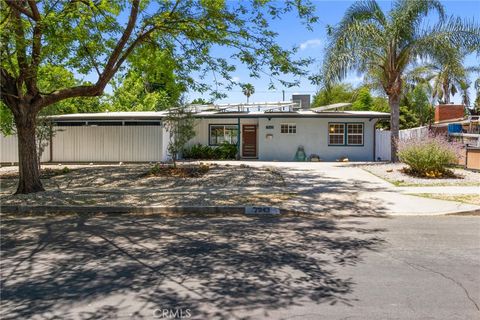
x: 224, y: 133
x: 291, y: 128
x: 354, y: 134
x: 336, y: 134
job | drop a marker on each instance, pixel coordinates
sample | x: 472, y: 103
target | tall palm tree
x: 382, y: 45
x: 446, y: 75
x: 248, y: 89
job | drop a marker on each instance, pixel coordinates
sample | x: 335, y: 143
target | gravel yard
x: 391, y: 172
x: 128, y: 185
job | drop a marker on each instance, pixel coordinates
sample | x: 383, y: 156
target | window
x: 355, y: 133
x: 223, y: 133
x: 349, y: 134
x: 288, y: 128
x: 336, y: 134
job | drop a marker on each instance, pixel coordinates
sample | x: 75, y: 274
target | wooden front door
x: 249, y: 141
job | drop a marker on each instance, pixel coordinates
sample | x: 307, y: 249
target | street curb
x: 174, y: 211
x: 474, y: 212
x: 163, y: 210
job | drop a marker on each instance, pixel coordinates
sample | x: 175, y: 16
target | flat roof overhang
x: 294, y: 115
x: 218, y: 115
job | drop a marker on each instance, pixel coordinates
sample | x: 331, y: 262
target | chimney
x: 449, y: 112
x: 303, y: 100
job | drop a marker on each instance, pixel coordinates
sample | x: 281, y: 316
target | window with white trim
x: 345, y: 134
x: 220, y: 133
x: 289, y: 128
x: 354, y: 134
x: 336, y: 134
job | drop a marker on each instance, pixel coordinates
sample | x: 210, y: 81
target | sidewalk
x: 439, y: 189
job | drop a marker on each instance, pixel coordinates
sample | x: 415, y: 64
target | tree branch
x: 34, y: 8
x: 36, y: 49
x: 78, y: 91
x: 20, y: 52
x: 17, y: 5
x: 108, y: 71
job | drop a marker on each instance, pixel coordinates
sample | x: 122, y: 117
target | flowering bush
x: 429, y: 156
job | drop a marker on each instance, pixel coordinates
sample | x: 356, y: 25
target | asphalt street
x: 147, y: 267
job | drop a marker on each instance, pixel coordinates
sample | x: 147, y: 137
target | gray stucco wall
x: 312, y: 134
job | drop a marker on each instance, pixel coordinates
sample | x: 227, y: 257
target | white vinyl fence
x: 98, y: 144
x: 383, y: 142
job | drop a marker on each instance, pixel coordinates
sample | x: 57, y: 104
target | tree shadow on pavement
x: 97, y: 267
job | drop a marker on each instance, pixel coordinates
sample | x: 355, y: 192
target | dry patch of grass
x: 46, y: 173
x: 191, y: 171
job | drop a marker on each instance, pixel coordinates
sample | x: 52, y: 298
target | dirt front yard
x: 138, y: 184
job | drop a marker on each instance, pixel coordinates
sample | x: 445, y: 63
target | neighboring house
x: 267, y: 131
x: 452, y: 121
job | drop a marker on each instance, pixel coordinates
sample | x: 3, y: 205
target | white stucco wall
x: 312, y: 134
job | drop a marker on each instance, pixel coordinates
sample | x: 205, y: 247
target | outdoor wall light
x: 269, y: 136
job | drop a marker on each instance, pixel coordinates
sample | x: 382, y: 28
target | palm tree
x: 446, y: 75
x: 383, y: 45
x: 248, y: 90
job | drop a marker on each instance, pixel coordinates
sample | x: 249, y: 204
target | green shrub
x: 224, y: 151
x: 429, y: 157
x: 155, y: 170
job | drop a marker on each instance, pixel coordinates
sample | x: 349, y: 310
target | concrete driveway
x: 140, y: 267
x: 346, y: 189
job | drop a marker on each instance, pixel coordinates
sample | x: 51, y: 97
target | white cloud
x: 312, y: 43
x: 236, y: 79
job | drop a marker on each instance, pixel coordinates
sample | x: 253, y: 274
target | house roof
x: 264, y: 110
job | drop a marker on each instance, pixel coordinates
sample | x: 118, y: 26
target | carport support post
x: 238, y: 138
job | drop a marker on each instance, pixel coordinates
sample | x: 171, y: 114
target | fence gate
x: 382, y: 145
x: 383, y: 142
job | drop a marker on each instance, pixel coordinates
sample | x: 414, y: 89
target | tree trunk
x: 28, y: 166
x: 394, y: 102
x: 446, y: 93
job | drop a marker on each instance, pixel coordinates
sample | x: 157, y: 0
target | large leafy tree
x: 382, y: 45
x: 97, y: 37
x: 148, y: 85
x: 336, y: 93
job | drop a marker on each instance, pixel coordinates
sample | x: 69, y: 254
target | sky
x: 312, y: 43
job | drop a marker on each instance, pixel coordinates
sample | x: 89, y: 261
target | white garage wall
x: 9, y: 150
x: 108, y: 143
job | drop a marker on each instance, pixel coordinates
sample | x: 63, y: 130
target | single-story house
x: 268, y: 132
